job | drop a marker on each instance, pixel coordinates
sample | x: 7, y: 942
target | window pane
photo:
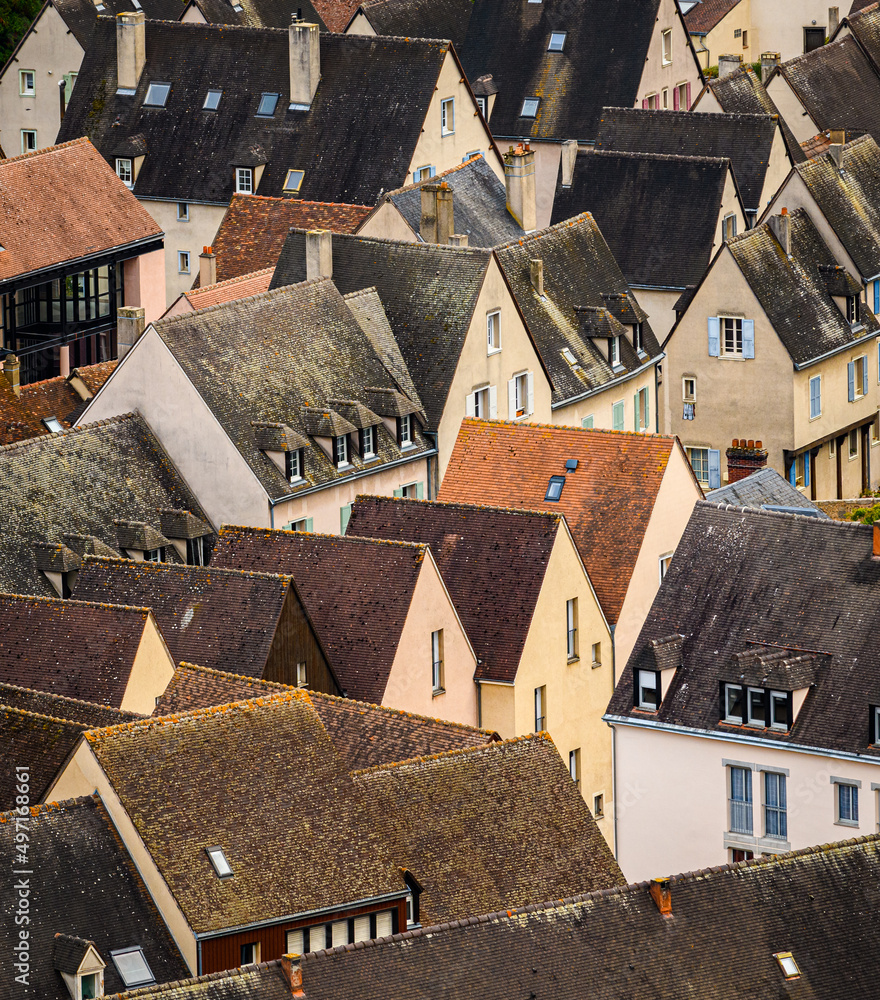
x: 740, y: 800
x: 530, y: 107
x: 756, y: 706
x: 212, y: 100
x: 557, y: 41
x: 295, y: 942
x: 734, y: 702
x: 268, y: 103
x: 779, y: 710
x: 648, y: 694
x: 157, y: 94
x: 383, y: 924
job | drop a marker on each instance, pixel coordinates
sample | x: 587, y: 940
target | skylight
x: 554, y: 488
x: 293, y: 181
x: 788, y: 965
x: 268, y: 103
x: 530, y: 107
x: 557, y: 41
x: 132, y: 966
x: 157, y: 95
x: 52, y: 425
x: 212, y: 100
x: 569, y: 356
x: 218, y: 860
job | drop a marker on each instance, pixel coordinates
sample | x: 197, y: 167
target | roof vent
x: 661, y: 893
x: 571, y: 464
x: 218, y: 860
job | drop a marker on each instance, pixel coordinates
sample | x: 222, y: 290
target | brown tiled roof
x: 71, y: 648
x: 482, y: 552
x: 255, y: 227
x: 223, y: 618
x: 53, y: 397
x: 62, y: 203
x: 265, y: 981
x: 336, y: 13
x: 17, y: 423
x: 356, y: 591
x: 232, y: 288
x: 91, y: 715
x: 706, y: 14
x: 94, y: 376
x: 607, y: 500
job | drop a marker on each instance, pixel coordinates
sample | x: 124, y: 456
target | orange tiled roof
x: 607, y: 501
x: 233, y: 288
x: 17, y: 423
x: 56, y: 397
x: 94, y: 376
x: 62, y: 203
x: 336, y: 13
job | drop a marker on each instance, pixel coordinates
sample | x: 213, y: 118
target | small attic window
x: 268, y: 103
x: 293, y: 181
x: 131, y: 964
x: 570, y: 358
x: 554, y: 488
x: 52, y: 424
x: 212, y: 100
x: 218, y: 860
x: 530, y: 107
x: 557, y: 41
x: 788, y: 965
x: 157, y: 95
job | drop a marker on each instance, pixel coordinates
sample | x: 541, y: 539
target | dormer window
x: 218, y: 860
x: 157, y: 95
x: 530, y: 107
x: 293, y: 181
x: 614, y: 352
x: 294, y: 465
x: 638, y: 339
x: 124, y: 171
x: 244, y: 180
x: 761, y: 708
x: 557, y: 41
x: 405, y: 431
x: 131, y: 964
x: 853, y: 309
x: 340, y: 451
x: 154, y: 555
x: 212, y: 100
x: 647, y: 695
x: 368, y: 442
x: 268, y: 103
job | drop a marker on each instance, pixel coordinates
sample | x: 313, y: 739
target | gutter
x: 610, y: 385
x: 837, y: 350
x: 189, y: 201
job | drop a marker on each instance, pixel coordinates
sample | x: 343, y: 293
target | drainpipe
x: 62, y: 86
x: 612, y: 629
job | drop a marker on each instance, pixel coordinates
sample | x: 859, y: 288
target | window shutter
x: 647, y: 393
x: 469, y: 404
x: 587, y: 423
x: 636, y: 412
x: 511, y: 399
x: 530, y: 391
x: 688, y: 97
x: 493, y: 402
x: 420, y: 491
x: 807, y: 464
x: 748, y: 338
x: 675, y: 101
x: 714, y: 469
x: 877, y: 296
x: 398, y: 493
x: 714, y: 337
x: 792, y: 473
x: 617, y: 417
x: 344, y: 515
x: 645, y: 103
x: 433, y: 171
x: 865, y: 377
x: 851, y: 380
x: 310, y: 521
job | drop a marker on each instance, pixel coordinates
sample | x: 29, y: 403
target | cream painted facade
x: 410, y: 683
x: 151, y: 671
x: 576, y: 692
x: 732, y: 35
x: 669, y: 66
x: 386, y: 223
x: 144, y: 279
x: 596, y: 410
x: 478, y: 368
x: 672, y: 798
x: 791, y: 109
x: 778, y: 168
x: 50, y: 51
x: 359, y: 25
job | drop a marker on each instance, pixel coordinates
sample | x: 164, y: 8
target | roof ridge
x: 64, y: 697
x: 484, y: 252
x: 229, y: 281
x: 761, y: 512
x: 387, y: 709
x: 158, y: 988
x: 549, y: 514
x: 839, y: 42
x: 41, y: 715
x: 70, y: 600
x: 45, y: 151
x: 538, y: 233
x: 320, y: 534
x: 187, y: 665
x: 181, y: 567
x: 639, y: 435
x: 719, y: 115
x: 7, y: 449
x: 655, y: 156
x: 49, y: 807
x: 543, y: 736
x: 292, y: 201
x: 414, y: 185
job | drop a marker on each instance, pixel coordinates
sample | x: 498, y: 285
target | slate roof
x: 849, y: 198
x: 607, y: 501
x: 80, y: 481
x: 838, y: 86
x: 864, y: 23
x: 428, y: 292
x: 419, y: 18
x: 707, y: 14
x: 481, y: 552
x: 746, y: 140
x: 227, y: 620
x: 727, y: 924
x: 85, y: 885
x: 39, y: 743
x: 265, y: 981
x: 363, y: 734
x: 479, y: 203
x: 822, y: 578
x: 80, y: 15
x: 62, y: 203
x: 763, y: 487
x: 304, y: 346
x: 351, y: 150
x: 357, y: 593
x: 255, y: 227
x: 792, y: 291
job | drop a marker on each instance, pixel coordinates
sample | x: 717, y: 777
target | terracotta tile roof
x: 706, y: 14
x: 255, y: 227
x: 231, y: 289
x: 225, y: 619
x: 336, y: 13
x: 85, y: 886
x: 482, y: 552
x: 42, y: 639
x: 357, y: 593
x: 94, y: 376
x: 17, y: 423
x: 56, y: 397
x: 607, y: 501
x: 62, y: 203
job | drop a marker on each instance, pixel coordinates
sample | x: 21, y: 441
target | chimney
x: 728, y: 64
x: 12, y: 371
x: 519, y: 177
x: 445, y: 225
x: 131, y: 50
x: 131, y: 322
x: 207, y: 267
x: 876, y: 551
x: 536, y: 272
x: 305, y: 63
x: 569, y: 157
x: 661, y: 893
x: 833, y: 20
x: 436, y: 224
x: 291, y: 967
x: 458, y: 240
x: 769, y: 62
x: 743, y: 458
x: 319, y: 254
x: 781, y: 227
x: 837, y: 136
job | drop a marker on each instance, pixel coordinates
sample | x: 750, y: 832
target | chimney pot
x: 131, y: 322
x: 12, y: 371
x: 661, y: 893
x: 536, y: 271
x: 728, y: 64
x: 569, y: 158
x: 458, y: 240
x: 207, y: 267
x: 759, y: 445
x: 876, y: 550
x: 519, y: 178
x: 743, y: 458
x: 305, y: 62
x: 131, y: 51
x: 319, y: 254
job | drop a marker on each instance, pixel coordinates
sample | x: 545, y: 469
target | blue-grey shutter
x: 807, y: 464
x: 647, y: 409
x: 815, y: 398
x: 344, y: 515
x: 714, y: 469
x: 714, y: 337
x: 748, y: 338
x: 851, y: 380
x: 792, y: 473
x: 310, y: 524
x: 420, y: 491
x: 636, y: 412
x: 865, y: 378
x: 877, y: 297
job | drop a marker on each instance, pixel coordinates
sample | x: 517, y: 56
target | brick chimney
x: 781, y: 227
x: 569, y: 158
x: 436, y: 224
x: 519, y: 177
x: 12, y: 371
x: 661, y: 893
x: 207, y: 267
x: 291, y: 967
x: 305, y: 63
x: 769, y: 62
x: 319, y: 254
x: 131, y: 322
x: 728, y: 64
x: 876, y: 551
x: 131, y: 49
x: 536, y: 273
x: 743, y: 458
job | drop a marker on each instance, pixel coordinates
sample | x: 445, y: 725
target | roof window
x: 557, y: 41
x: 131, y: 964
x: 554, y: 488
x: 788, y: 965
x: 52, y: 424
x: 218, y: 860
x: 268, y: 103
x: 157, y: 95
x: 530, y: 107
x: 212, y: 100
x: 293, y: 181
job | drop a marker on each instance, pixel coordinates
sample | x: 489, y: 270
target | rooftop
x: 707, y: 14
x: 762, y: 488
x: 242, y: 287
x: 419, y: 18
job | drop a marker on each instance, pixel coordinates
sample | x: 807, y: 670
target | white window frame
x: 736, y: 352
x: 540, y: 708
x: 447, y: 116
x: 482, y: 104
x: 614, y: 352
x: 302, y: 675
x: 861, y: 360
x: 596, y: 654
x: 183, y: 262
x: 155, y: 88
x: 571, y: 629
x: 369, y: 450
x: 23, y: 89
x: 530, y: 106
x: 688, y: 397
x: 183, y: 211
x: 493, y: 331
x: 244, y: 180
x: 664, y: 94
x: 682, y: 89
x: 340, y: 451
x: 666, y: 47
x: 295, y: 465
x: 406, y: 429
x: 574, y: 766
x: 817, y: 379
x: 728, y: 717
x: 520, y: 396
x: 642, y: 678
x: 781, y: 781
x: 24, y: 147
x: 747, y: 802
x: 663, y: 563
x: 437, y: 661
x: 123, y: 172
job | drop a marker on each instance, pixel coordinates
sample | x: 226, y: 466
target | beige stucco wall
x: 547, y: 156
x: 386, y: 223
x: 778, y: 169
x: 50, y: 51
x: 477, y: 368
x: 707, y: 102
x: 599, y: 405
x: 720, y: 41
x: 409, y: 684
x: 731, y: 204
x: 151, y: 671
x: 498, y: 707
x: 470, y: 135
x: 789, y: 106
x: 360, y: 25
x: 672, y: 510
x: 660, y: 307
x: 683, y: 67
x: 83, y: 775
x: 144, y: 278
x: 672, y: 811
x: 779, y: 27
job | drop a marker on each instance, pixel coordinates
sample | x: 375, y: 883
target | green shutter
x: 344, y: 515
x: 399, y: 493
x: 636, y: 412
x: 309, y: 524
x: 647, y: 408
x: 420, y: 491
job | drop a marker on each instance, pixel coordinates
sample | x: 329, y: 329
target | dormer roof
x: 277, y: 437
x: 138, y: 536
x: 775, y: 667
x: 72, y: 953
x: 354, y: 412
x: 182, y: 524
x: 321, y: 421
